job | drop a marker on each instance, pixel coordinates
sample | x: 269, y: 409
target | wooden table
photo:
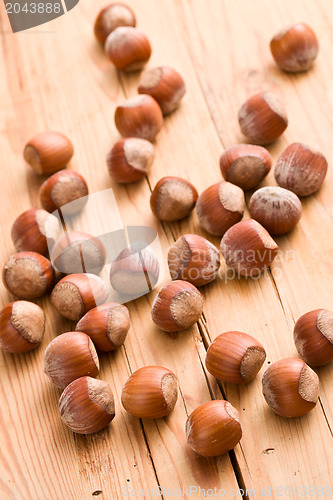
x: 57, y: 77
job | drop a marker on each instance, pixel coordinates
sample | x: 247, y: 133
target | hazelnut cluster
x: 138, y: 119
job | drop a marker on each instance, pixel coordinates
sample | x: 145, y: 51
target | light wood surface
x: 56, y: 76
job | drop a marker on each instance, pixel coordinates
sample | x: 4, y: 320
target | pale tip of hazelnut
x: 100, y: 393
x: 24, y: 277
x: 32, y: 157
x: 66, y: 298
x: 93, y: 353
x: 276, y: 105
x: 325, y: 324
x: 231, y: 411
x: 308, y: 386
x: 264, y: 235
x: 134, y: 101
x: 48, y: 224
x: 151, y: 77
x: 186, y: 307
x: 117, y: 325
x: 231, y: 197
x: 251, y: 363
x: 139, y: 153
x: 28, y: 319
x: 170, y: 390
x: 174, y: 200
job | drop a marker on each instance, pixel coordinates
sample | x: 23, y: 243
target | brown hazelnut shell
x: 69, y: 356
x: 150, y: 392
x: 111, y: 17
x: 262, y: 118
x: 313, y: 336
x: 33, y: 229
x: 62, y: 188
x: 139, y: 116
x: 28, y: 275
x: 301, y: 169
x: 213, y: 428
x: 173, y: 198
x: 135, y: 271
x: 219, y: 207
x: 48, y: 152
x: 78, y: 252
x: 248, y: 248
x: 290, y: 387
x: 22, y: 326
x: 194, y: 259
x: 130, y: 159
x: 87, y: 405
x: 235, y: 357
x: 277, y: 209
x: 75, y: 294
x: 127, y: 48
x: 165, y: 85
x: 245, y: 165
x: 106, y: 325
x: 177, y: 306
x: 295, y: 48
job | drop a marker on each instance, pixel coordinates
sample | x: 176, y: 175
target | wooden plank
x: 44, y: 88
x: 120, y: 456
x: 237, y: 44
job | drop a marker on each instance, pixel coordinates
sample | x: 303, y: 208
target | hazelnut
x: 213, y: 428
x: 48, y: 152
x: 219, y: 207
x: 248, y: 248
x: 235, y: 357
x: 106, y: 325
x: 22, y: 326
x: 87, y: 405
x: 150, y: 392
x: 313, y: 335
x: 173, y: 198
x: 139, y: 116
x: 28, y: 275
x: 245, y: 165
x: 135, y: 271
x: 63, y: 188
x: 177, y: 306
x: 69, y: 356
x: 74, y: 295
x: 290, y: 387
x: 301, y: 169
x: 77, y: 252
x: 295, y: 47
x: 263, y: 118
x: 193, y: 258
x: 111, y: 17
x: 275, y: 208
x: 32, y: 230
x: 130, y: 159
x: 127, y: 48
x: 165, y: 85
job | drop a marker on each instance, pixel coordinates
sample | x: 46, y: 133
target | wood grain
x: 56, y: 76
